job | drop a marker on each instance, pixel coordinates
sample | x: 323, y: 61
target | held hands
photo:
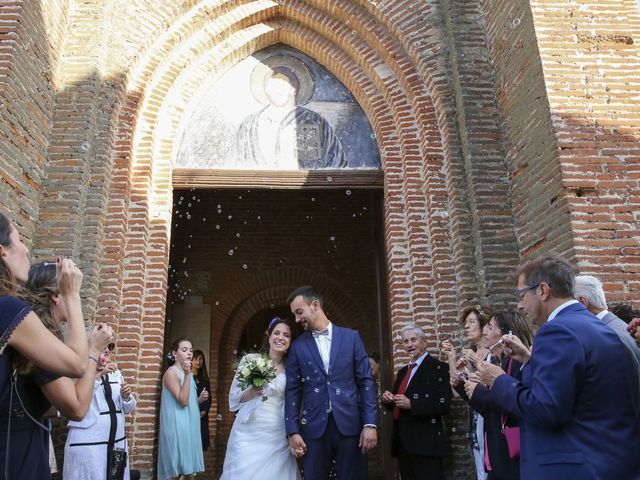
x: 297, y: 446
x: 469, y: 388
x: 402, y: 401
x: 368, y: 439
x: 69, y: 277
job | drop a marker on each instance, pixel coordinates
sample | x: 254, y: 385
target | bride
x: 258, y: 446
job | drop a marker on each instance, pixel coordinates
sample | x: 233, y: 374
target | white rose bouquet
x: 255, y: 370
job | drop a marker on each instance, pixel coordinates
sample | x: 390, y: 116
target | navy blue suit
x: 577, y: 401
x: 318, y: 402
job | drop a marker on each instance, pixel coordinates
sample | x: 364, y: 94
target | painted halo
x: 263, y: 69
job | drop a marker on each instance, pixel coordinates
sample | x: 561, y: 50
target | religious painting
x: 276, y: 110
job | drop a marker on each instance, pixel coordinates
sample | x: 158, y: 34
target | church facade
x: 497, y: 131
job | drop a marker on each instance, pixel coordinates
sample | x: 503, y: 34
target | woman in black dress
x: 201, y: 376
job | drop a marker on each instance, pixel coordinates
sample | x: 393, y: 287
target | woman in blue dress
x: 180, y: 445
x: 23, y: 442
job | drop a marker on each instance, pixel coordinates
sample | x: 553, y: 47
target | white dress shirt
x: 560, y: 308
x: 323, y: 342
x: 418, y: 362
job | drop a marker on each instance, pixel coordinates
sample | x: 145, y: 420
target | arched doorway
x: 251, y: 261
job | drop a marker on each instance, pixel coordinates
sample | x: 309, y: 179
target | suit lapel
x: 336, y: 343
x: 313, y: 349
x: 425, y: 370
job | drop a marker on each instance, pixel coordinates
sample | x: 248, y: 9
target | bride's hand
x: 297, y: 446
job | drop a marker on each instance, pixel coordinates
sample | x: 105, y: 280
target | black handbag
x: 117, y: 464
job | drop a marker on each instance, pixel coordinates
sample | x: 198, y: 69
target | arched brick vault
x: 410, y: 111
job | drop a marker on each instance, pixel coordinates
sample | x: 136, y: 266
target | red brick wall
x: 596, y: 117
x: 29, y: 47
x: 506, y: 129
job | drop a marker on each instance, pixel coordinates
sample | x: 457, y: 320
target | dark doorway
x: 232, y: 247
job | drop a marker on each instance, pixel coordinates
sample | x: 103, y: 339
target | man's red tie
x: 402, y: 388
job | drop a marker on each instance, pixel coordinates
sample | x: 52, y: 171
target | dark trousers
x: 418, y: 467
x: 350, y: 463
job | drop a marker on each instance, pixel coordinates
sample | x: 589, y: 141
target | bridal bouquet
x: 255, y: 370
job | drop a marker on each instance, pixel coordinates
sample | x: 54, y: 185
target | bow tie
x: 316, y: 333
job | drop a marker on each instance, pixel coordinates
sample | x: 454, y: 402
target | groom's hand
x: 297, y: 446
x: 368, y: 439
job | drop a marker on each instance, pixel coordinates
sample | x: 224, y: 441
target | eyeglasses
x: 521, y: 291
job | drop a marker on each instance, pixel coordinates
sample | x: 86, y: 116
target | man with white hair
x: 421, y: 397
x: 589, y: 292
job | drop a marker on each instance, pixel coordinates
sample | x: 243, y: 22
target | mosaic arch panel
x: 276, y: 110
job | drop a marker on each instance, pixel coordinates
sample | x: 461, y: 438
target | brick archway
x: 411, y: 120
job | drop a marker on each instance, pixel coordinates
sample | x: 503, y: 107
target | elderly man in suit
x: 578, y: 398
x: 589, y: 292
x: 421, y: 396
x: 331, y: 403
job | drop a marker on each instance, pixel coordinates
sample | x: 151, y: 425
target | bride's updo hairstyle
x: 174, y: 348
x: 275, y: 321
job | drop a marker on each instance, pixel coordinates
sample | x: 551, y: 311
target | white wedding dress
x: 258, y: 447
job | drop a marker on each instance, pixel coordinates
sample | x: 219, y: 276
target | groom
x: 330, y: 400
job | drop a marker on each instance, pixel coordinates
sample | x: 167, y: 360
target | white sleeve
x: 235, y: 393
